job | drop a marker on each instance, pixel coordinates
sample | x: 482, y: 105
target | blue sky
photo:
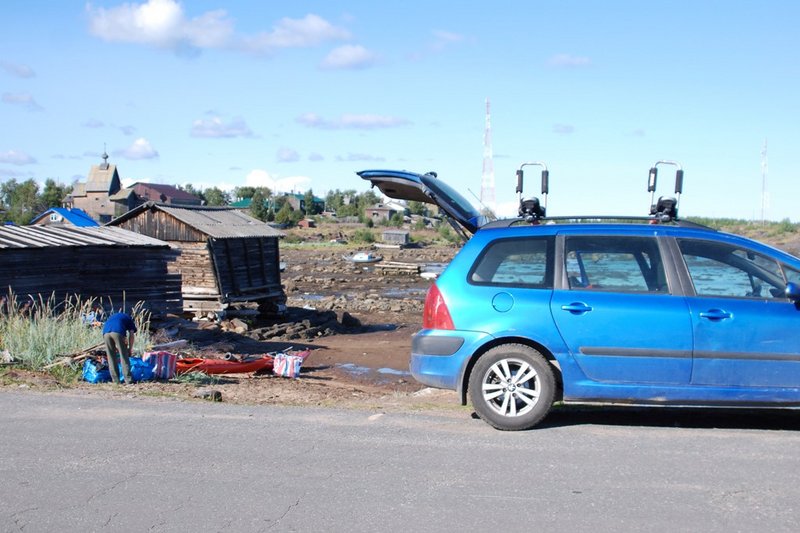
x: 302, y: 94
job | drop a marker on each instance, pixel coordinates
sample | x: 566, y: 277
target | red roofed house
x: 140, y: 193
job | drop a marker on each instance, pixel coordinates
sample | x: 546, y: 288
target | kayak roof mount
x: 665, y: 209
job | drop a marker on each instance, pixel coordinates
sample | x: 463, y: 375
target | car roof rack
x: 508, y: 222
x: 665, y: 210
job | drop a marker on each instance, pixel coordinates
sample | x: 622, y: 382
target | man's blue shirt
x: 120, y: 323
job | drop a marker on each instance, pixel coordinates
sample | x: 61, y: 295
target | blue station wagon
x: 652, y: 311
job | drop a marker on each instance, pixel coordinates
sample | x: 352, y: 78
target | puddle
x: 394, y: 372
x: 358, y: 370
x: 354, y: 369
x: 405, y: 292
x: 436, y: 268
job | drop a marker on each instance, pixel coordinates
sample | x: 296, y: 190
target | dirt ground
x: 360, y: 367
x: 366, y: 369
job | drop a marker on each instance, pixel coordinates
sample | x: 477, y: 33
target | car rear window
x: 522, y: 262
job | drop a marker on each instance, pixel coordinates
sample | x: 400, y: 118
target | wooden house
x: 140, y: 193
x: 61, y: 216
x: 399, y: 237
x: 227, y: 257
x: 118, y: 267
x: 379, y: 212
x: 93, y: 195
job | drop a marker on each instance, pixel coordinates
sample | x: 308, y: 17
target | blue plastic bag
x: 140, y: 370
x: 94, y: 372
x: 99, y: 373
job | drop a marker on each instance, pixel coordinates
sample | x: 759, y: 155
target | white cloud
x: 160, y: 23
x: 287, y: 155
x: 214, y: 127
x: 314, y: 156
x: 165, y: 24
x: 349, y: 121
x: 563, y: 129
x: 20, y: 71
x: 568, y: 60
x: 15, y: 157
x: 140, y: 149
x: 308, y: 31
x: 349, y: 57
x: 22, y: 99
x: 507, y: 209
x: 442, y: 39
x: 9, y: 173
x: 93, y: 123
x: 359, y: 157
x: 261, y: 178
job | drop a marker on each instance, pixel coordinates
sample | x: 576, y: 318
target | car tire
x: 512, y: 387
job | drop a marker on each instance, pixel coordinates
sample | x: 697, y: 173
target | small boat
x: 223, y: 366
x: 362, y: 257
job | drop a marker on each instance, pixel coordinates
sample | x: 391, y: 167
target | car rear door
x: 427, y: 188
x: 615, y: 312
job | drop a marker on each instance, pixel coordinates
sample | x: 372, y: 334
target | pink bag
x: 287, y: 365
x: 164, y: 366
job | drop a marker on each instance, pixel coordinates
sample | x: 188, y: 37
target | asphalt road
x: 86, y: 463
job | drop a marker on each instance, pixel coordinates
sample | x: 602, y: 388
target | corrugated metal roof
x: 222, y: 223
x: 52, y: 236
x: 216, y: 222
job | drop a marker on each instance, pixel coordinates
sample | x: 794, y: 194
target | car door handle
x: 716, y: 314
x: 576, y: 308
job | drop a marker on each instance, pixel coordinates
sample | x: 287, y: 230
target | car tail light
x: 436, y: 315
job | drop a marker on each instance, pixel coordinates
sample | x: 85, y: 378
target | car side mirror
x: 793, y: 291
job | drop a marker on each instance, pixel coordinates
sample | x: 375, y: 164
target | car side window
x: 791, y: 274
x: 525, y: 262
x: 720, y: 269
x: 614, y: 263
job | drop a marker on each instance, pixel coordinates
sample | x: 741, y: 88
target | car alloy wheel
x: 512, y: 387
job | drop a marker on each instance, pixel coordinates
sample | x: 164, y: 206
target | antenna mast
x: 764, y: 194
x: 487, y: 177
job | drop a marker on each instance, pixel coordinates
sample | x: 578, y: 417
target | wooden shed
x: 112, y: 264
x: 396, y: 236
x: 227, y: 257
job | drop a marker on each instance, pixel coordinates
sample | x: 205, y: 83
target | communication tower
x: 764, y: 194
x: 487, y: 177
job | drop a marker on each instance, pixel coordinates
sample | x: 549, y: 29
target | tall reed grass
x: 36, y: 330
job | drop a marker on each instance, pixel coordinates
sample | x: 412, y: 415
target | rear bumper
x: 439, y: 358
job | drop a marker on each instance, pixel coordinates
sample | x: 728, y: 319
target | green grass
x: 749, y: 227
x: 197, y: 378
x: 36, y: 332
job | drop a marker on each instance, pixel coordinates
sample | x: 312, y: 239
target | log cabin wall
x: 200, y: 288
x: 45, y: 265
x: 247, y: 268
x: 162, y: 225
